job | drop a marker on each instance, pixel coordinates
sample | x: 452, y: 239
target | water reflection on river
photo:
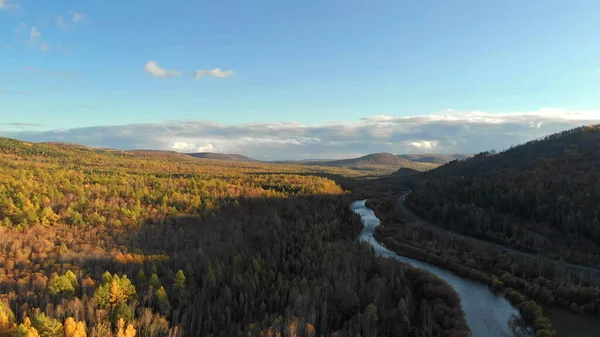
x: 487, y: 314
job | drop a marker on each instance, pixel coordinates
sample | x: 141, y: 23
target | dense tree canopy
x: 542, y: 197
x: 98, y: 242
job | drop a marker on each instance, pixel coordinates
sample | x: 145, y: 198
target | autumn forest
x: 100, y: 242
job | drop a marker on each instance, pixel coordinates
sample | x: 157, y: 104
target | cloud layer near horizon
x: 446, y: 132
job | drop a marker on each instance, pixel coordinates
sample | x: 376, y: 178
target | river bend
x: 487, y: 314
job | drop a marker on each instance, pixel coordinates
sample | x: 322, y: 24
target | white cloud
x: 35, y: 39
x: 153, y: 68
x: 207, y: 148
x: 76, y: 17
x: 191, y: 147
x: 499, y: 118
x: 217, y: 72
x: 5, y: 5
x: 60, y: 21
x: 445, y: 132
x: 182, y: 146
x: 380, y: 118
x: 425, y: 145
x: 34, y: 34
x: 20, y: 124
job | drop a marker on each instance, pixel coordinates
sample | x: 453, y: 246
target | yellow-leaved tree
x: 7, y: 318
x: 125, y: 332
x: 26, y: 330
x: 74, y: 328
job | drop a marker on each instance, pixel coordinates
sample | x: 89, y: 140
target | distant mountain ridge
x: 381, y: 163
x: 433, y: 158
x: 222, y: 156
x: 374, y: 161
x: 381, y: 158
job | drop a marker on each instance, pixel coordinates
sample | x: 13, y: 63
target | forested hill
x: 15, y: 147
x: 105, y: 243
x: 433, y: 158
x: 542, y: 196
x: 376, y: 161
x: 222, y: 156
x: 404, y: 172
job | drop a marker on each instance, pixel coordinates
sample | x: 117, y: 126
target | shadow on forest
x: 255, y: 263
x: 251, y: 263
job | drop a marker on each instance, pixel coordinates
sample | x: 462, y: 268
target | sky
x: 298, y: 79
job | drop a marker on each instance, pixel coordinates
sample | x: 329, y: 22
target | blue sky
x: 310, y: 62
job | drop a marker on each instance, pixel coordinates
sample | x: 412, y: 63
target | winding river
x: 487, y: 314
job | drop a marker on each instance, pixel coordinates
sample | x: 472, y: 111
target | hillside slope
x: 433, y: 158
x: 403, y: 172
x: 222, y: 156
x: 542, y: 196
x: 376, y: 161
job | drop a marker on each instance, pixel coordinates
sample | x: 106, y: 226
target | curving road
x: 503, y: 248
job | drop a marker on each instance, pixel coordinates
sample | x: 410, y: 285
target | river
x: 487, y: 314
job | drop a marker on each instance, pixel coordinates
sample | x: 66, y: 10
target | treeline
x: 110, y: 243
x: 541, y: 197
